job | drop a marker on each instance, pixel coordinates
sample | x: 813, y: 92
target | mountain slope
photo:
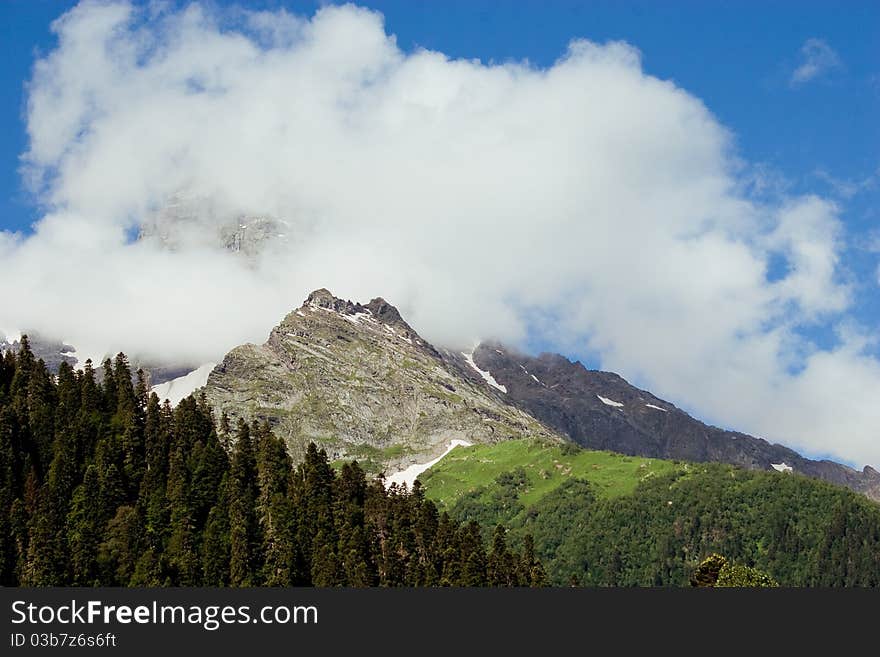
x: 360, y: 382
x: 538, y: 469
x: 191, y: 220
x: 600, y: 410
x: 600, y: 518
x: 54, y: 352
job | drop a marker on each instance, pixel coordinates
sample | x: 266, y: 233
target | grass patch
x: 466, y: 469
x: 371, y: 458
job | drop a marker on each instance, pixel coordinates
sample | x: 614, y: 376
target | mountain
x: 361, y: 383
x: 600, y: 410
x: 52, y: 352
x: 188, y: 220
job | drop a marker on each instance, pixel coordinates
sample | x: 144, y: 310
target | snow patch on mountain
x: 409, y: 475
x: 357, y: 318
x: 12, y: 336
x: 487, y: 376
x: 658, y: 408
x: 183, y: 386
x: 609, y: 402
x: 525, y: 371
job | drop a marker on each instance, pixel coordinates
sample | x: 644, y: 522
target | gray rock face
x: 569, y: 398
x: 52, y: 352
x: 195, y: 221
x: 360, y: 382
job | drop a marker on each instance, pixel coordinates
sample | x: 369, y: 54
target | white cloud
x: 817, y: 58
x: 588, y: 203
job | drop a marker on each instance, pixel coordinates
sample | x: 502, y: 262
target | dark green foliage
x: 502, y: 506
x: 101, y: 485
x: 84, y: 529
x: 797, y: 530
x: 244, y: 530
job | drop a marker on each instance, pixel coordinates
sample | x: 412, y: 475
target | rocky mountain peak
x: 378, y: 309
x: 188, y: 219
x: 384, y: 311
x: 357, y: 380
x: 322, y: 298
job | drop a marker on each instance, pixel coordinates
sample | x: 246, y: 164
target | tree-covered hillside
x: 102, y: 485
x: 604, y: 519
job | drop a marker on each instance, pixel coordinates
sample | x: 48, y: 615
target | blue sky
x: 796, y: 84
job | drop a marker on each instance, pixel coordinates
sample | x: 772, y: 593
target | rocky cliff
x: 360, y: 382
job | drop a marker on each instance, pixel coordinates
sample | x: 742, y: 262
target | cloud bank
x: 588, y: 206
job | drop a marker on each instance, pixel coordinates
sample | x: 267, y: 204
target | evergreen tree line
x: 102, y: 485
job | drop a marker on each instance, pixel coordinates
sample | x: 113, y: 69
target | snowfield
x: 610, y: 402
x: 12, y: 336
x: 410, y: 474
x: 487, y: 377
x: 183, y: 386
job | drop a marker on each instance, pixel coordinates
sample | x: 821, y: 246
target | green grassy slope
x: 466, y: 469
x: 600, y: 518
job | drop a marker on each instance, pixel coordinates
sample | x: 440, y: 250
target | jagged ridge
x: 601, y: 410
x: 359, y: 381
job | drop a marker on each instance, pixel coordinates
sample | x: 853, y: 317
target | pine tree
x: 19, y: 521
x: 353, y: 547
x: 244, y: 531
x: 8, y: 492
x: 500, y: 566
x: 132, y: 411
x: 84, y: 531
x: 326, y: 568
x: 182, y: 548
x: 119, y: 552
x: 275, y: 510
x: 312, y: 493
x: 473, y: 557
x: 153, y: 494
x: 448, y: 551
x: 110, y: 399
x: 531, y: 571
x: 215, y: 545
x: 46, y: 563
x: 41, y: 403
